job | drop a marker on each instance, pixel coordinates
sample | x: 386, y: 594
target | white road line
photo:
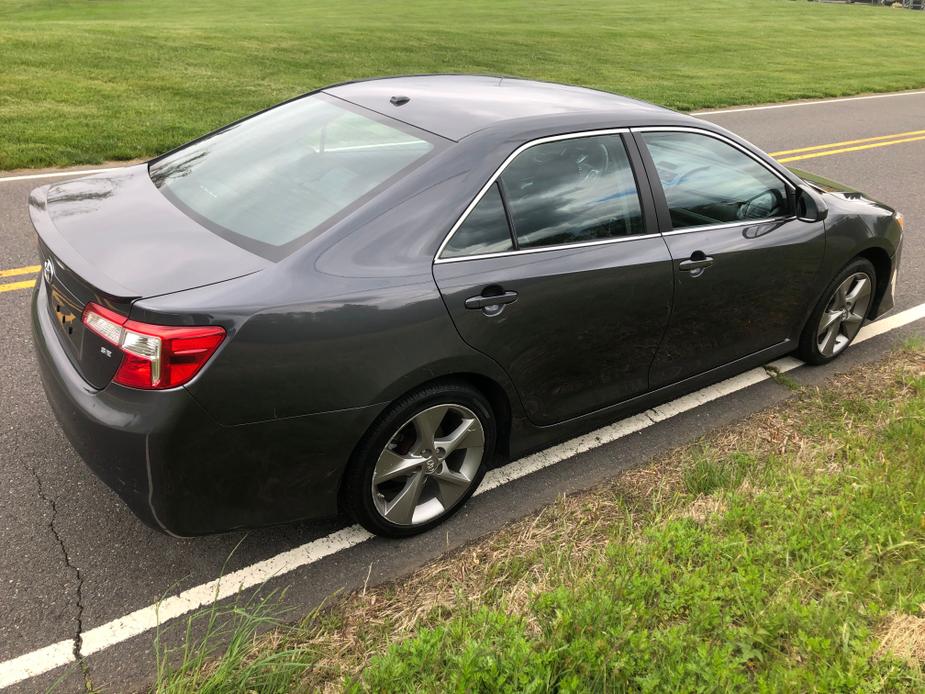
x: 59, y: 174
x: 36, y: 663
x: 118, y: 630
x: 815, y: 102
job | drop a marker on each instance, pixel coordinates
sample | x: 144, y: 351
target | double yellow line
x: 784, y: 156
x: 847, y: 146
x: 20, y: 284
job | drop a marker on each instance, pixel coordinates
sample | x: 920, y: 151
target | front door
x: 744, y: 265
x: 558, y: 275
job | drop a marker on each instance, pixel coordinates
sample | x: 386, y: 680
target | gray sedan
x: 360, y: 299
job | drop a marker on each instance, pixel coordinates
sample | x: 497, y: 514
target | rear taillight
x: 154, y: 356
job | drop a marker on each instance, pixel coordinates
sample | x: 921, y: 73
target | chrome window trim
x: 729, y: 225
x: 500, y: 170
x: 751, y: 155
x: 546, y: 249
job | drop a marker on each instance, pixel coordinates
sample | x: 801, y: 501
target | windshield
x: 267, y: 182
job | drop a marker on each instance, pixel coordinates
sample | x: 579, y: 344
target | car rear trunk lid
x: 113, y: 239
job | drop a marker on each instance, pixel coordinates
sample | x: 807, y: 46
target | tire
x: 850, y: 295
x: 401, y: 481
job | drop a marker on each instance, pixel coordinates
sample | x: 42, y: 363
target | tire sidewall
x: 809, y: 348
x: 357, y: 488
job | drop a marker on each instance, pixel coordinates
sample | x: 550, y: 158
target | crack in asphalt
x: 75, y: 570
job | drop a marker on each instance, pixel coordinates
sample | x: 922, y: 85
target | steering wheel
x: 592, y: 161
x: 754, y: 209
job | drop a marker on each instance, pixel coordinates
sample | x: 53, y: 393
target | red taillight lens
x: 154, y: 356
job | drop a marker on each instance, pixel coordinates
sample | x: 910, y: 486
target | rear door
x: 558, y: 273
x: 744, y: 265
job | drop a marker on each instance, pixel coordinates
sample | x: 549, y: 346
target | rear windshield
x: 267, y: 182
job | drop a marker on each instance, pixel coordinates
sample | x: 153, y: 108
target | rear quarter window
x: 485, y: 230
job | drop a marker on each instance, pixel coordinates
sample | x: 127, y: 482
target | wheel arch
x: 493, y: 391
x: 883, y: 265
x: 497, y: 395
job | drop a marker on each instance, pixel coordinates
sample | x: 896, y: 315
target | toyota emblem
x: 48, y: 271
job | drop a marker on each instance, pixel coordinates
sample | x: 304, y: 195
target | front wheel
x: 422, y: 459
x: 840, y: 313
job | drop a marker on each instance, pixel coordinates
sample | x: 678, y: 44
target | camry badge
x: 48, y: 271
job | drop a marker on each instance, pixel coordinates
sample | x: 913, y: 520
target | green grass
x: 705, y: 475
x: 766, y: 557
x: 84, y: 81
x: 195, y: 670
x: 781, y: 591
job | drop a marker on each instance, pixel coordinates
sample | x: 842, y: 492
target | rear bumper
x: 106, y: 427
x: 179, y: 470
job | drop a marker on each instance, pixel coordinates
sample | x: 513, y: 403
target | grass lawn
x: 84, y: 81
x: 784, y: 553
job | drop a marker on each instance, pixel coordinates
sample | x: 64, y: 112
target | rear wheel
x: 420, y: 462
x: 840, y: 313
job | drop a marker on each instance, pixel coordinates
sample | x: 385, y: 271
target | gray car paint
x: 321, y: 341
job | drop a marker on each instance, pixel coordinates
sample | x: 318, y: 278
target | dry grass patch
x: 703, y: 508
x: 903, y: 636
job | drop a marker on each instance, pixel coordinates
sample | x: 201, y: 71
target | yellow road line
x: 28, y: 270
x: 845, y: 143
x: 27, y: 284
x: 842, y: 150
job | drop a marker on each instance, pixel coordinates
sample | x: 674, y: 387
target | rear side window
x: 485, y: 230
x: 707, y: 181
x: 572, y: 191
x: 268, y: 182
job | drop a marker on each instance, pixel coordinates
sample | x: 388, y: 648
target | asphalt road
x: 74, y: 558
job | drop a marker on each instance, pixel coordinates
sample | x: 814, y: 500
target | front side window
x: 269, y: 181
x: 572, y: 191
x: 707, y: 181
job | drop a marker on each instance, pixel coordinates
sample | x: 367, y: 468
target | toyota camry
x: 360, y: 299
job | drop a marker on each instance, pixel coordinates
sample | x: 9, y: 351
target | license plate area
x: 66, y: 315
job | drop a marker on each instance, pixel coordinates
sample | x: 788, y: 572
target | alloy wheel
x: 428, y: 465
x: 845, y: 313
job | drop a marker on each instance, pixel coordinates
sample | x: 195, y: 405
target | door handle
x: 482, y: 301
x: 698, y: 261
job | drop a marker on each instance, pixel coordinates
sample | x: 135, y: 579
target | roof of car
x: 455, y: 106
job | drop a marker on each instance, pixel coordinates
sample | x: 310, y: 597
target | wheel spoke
x: 401, y: 508
x: 392, y: 465
x: 852, y: 324
x: 860, y: 293
x: 829, y: 318
x: 450, y: 485
x: 828, y: 344
x: 427, y: 423
x: 465, y: 435
x: 841, y: 295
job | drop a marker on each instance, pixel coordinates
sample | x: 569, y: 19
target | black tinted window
x: 484, y: 231
x: 570, y: 191
x: 707, y: 181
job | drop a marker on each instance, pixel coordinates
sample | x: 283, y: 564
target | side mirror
x: 810, y: 207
